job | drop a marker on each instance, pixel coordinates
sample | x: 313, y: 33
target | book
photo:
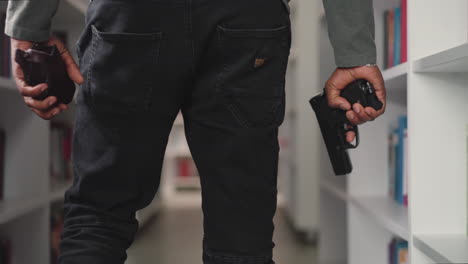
x: 392, y: 143
x: 391, y: 250
x: 391, y: 37
x: 2, y: 161
x: 186, y: 167
x: 60, y: 153
x: 385, y: 39
x: 405, y: 167
x: 399, y: 181
x: 398, y: 251
x: 401, y: 252
x: 404, y: 31
x: 397, y: 37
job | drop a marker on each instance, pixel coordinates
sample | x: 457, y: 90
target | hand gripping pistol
x: 334, y: 124
x: 44, y: 64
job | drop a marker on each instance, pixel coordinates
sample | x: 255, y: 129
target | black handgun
x: 334, y: 124
x: 44, y: 64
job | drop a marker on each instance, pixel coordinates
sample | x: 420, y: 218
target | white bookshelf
x: 443, y: 248
x: 28, y: 189
x: 396, y: 78
x: 381, y: 209
x: 299, y: 165
x: 431, y: 89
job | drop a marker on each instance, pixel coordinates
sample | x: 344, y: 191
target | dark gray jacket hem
x: 355, y: 60
x: 29, y: 34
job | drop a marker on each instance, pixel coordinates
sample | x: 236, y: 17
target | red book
x: 391, y: 37
x: 184, y: 167
x: 404, y: 31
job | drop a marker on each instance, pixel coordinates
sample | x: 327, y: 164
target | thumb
x: 334, y: 99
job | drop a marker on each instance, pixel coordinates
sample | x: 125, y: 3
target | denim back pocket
x: 252, y: 77
x: 121, y: 70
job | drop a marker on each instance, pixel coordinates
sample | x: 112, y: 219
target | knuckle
x: 23, y: 91
x: 27, y: 101
x: 47, y: 116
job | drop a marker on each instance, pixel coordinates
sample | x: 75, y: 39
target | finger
x: 350, y: 136
x: 47, y: 115
x: 353, y: 118
x: 361, y: 113
x: 41, y: 105
x: 72, y: 68
x: 63, y: 107
x: 31, y: 91
x: 374, y: 113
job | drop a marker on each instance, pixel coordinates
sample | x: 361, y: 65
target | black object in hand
x: 334, y: 124
x: 44, y: 64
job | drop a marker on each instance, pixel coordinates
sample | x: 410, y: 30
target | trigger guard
x: 354, y: 129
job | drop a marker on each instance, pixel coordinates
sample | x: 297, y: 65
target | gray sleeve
x: 30, y: 19
x: 352, y: 31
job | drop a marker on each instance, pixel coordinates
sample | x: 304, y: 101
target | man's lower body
x: 222, y: 63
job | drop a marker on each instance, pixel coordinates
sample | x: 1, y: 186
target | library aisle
x: 175, y: 233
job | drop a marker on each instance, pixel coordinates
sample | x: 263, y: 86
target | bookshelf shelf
x: 450, y: 60
x: 398, y: 71
x: 334, y: 189
x: 395, y: 77
x: 7, y: 83
x: 386, y: 212
x: 383, y: 210
x: 443, y: 248
x: 190, y: 182
x: 14, y: 208
x: 436, y: 49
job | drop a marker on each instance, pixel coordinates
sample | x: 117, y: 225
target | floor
x: 174, y: 237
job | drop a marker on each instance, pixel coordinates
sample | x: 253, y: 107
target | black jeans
x: 222, y: 63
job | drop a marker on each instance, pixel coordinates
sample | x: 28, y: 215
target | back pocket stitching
x: 96, y: 34
x: 277, y: 33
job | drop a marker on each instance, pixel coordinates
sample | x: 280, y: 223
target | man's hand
x: 356, y: 114
x: 48, y: 107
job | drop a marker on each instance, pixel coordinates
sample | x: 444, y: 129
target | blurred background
x: 361, y: 218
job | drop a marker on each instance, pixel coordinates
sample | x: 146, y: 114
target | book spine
x: 391, y: 37
x: 405, y: 167
x: 404, y: 30
x: 386, y: 14
x: 402, y: 252
x: 397, y: 40
x: 402, y: 125
x: 184, y: 167
x: 392, y: 141
x: 396, y: 168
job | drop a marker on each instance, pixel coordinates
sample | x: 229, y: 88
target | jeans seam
x: 89, y: 68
